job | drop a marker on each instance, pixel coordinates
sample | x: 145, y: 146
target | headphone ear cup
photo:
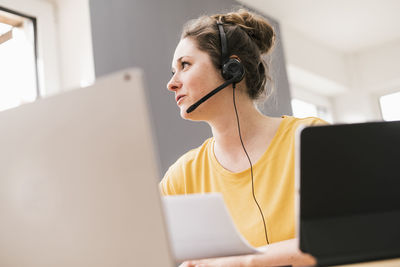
x: 233, y: 68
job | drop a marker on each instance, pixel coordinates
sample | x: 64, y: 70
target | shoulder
x: 175, y: 178
x: 290, y: 122
x: 289, y: 125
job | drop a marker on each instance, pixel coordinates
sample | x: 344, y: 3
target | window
x: 18, y: 64
x: 303, y: 109
x: 390, y: 106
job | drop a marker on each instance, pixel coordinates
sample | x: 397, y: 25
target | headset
x: 232, y: 70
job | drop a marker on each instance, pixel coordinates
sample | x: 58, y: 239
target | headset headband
x: 224, y: 46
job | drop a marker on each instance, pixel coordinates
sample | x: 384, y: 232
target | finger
x: 234, y: 261
x: 190, y: 264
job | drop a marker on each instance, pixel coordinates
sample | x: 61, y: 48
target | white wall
x: 351, y: 82
x: 379, y: 67
x: 311, y: 57
x: 75, y: 40
x: 356, y: 107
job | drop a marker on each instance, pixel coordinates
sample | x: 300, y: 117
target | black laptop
x: 350, y: 192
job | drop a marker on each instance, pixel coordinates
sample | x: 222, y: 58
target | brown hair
x: 249, y: 36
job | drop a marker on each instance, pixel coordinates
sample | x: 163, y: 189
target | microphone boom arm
x: 210, y: 94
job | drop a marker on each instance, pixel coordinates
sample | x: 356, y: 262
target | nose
x: 174, y: 84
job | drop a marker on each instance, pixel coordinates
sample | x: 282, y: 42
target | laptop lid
x: 349, y: 192
x: 78, y: 180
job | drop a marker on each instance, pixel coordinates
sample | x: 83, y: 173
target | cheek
x: 205, y: 81
x: 196, y: 84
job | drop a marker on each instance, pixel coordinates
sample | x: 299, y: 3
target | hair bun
x: 257, y: 27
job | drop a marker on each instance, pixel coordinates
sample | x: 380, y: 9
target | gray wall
x: 144, y: 33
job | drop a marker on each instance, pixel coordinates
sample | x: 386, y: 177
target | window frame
x: 35, y: 43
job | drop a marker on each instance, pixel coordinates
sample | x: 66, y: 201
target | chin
x: 188, y: 116
x: 184, y: 114
x: 196, y: 115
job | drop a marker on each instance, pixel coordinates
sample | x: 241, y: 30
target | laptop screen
x: 349, y: 191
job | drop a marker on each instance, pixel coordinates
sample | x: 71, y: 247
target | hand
x: 235, y: 261
x: 277, y: 254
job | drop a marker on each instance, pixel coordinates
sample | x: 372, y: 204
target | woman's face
x: 194, y: 76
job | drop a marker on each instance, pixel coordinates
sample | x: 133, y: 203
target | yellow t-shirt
x: 198, y: 171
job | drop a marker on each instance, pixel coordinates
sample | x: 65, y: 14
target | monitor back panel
x: 78, y: 180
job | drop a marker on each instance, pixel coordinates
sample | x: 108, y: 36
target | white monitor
x: 78, y: 180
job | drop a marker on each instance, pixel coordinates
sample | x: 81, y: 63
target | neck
x: 225, y: 128
x: 257, y: 131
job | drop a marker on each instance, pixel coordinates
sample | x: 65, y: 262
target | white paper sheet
x: 200, y: 226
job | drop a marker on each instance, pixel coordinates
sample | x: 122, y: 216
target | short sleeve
x: 166, y: 185
x: 317, y: 121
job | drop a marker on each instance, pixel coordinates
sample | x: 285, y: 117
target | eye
x: 184, y: 64
x: 172, y: 73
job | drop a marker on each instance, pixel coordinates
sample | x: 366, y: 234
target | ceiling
x: 344, y: 25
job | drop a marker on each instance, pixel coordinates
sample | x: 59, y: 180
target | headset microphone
x: 210, y: 94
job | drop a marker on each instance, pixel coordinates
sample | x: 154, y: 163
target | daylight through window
x: 390, y: 106
x: 17, y: 59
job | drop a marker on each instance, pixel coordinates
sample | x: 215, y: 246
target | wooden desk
x: 381, y: 263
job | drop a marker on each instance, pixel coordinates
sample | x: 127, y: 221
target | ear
x: 235, y: 57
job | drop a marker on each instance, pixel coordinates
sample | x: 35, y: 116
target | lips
x: 178, y: 98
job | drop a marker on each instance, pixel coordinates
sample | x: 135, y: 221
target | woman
x: 250, y: 158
